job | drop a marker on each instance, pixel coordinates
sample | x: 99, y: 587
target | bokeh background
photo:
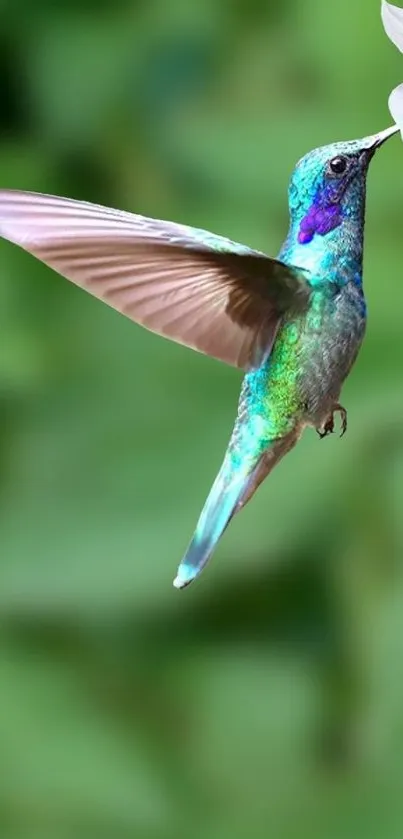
x: 266, y: 700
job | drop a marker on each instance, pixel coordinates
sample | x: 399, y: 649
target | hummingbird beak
x: 379, y: 139
x: 371, y: 144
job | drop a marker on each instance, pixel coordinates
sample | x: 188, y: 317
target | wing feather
x: 199, y: 289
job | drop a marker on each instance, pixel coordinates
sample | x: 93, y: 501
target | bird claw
x: 328, y: 427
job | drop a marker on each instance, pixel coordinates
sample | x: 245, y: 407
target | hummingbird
x: 294, y: 324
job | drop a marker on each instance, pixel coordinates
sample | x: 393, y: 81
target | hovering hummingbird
x: 294, y: 324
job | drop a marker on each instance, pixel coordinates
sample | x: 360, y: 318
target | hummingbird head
x: 328, y: 186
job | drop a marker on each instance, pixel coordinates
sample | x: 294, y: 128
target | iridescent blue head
x: 328, y: 187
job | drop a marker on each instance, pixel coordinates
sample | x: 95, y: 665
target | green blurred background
x: 267, y: 700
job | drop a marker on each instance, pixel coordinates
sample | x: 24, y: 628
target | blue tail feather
x: 224, y: 496
x: 234, y: 485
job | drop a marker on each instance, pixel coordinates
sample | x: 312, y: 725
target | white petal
x: 396, y: 106
x: 392, y: 19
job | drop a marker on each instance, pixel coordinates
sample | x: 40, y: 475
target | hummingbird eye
x: 338, y: 165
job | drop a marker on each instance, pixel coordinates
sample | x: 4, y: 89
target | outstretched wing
x: 201, y: 290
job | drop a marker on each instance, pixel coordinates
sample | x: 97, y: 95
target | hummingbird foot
x: 328, y: 427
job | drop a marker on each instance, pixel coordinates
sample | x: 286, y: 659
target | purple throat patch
x: 320, y: 220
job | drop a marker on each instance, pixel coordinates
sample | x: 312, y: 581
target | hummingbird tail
x: 233, y: 487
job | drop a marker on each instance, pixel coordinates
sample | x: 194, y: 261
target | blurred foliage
x: 267, y: 699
